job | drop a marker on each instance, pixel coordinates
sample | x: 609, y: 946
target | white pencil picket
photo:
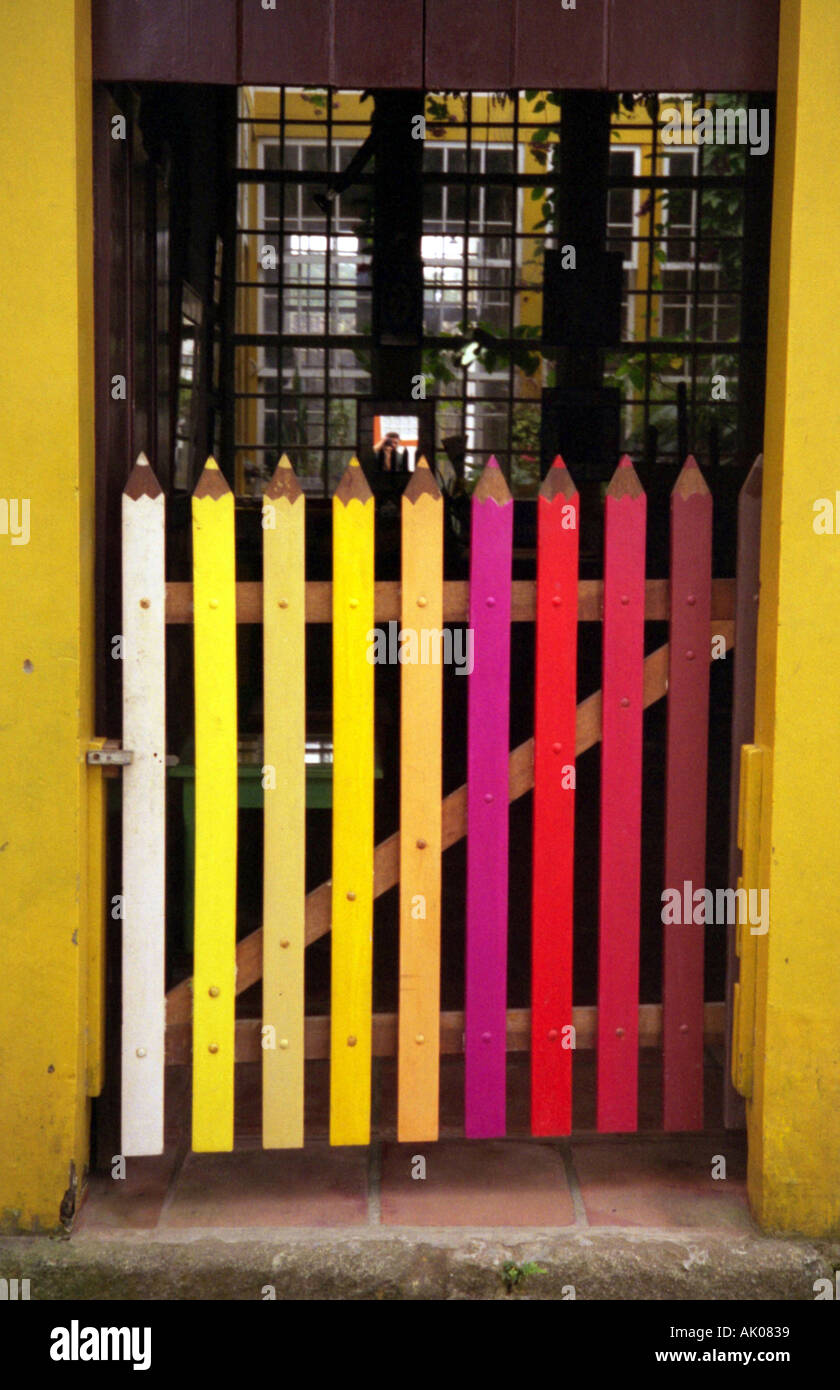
x: 143, y: 812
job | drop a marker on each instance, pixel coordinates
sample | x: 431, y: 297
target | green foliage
x: 514, y: 1275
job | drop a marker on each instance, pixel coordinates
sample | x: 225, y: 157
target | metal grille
x: 490, y: 176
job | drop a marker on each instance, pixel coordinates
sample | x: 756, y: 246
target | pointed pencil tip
x: 284, y: 481
x: 212, y: 481
x: 142, y: 481
x: 353, y: 483
x: 491, y: 486
x: 558, y: 482
x: 690, y: 482
x: 422, y: 483
x: 625, y: 480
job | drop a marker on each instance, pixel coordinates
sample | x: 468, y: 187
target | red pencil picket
x: 558, y: 517
x: 621, y: 801
x: 485, y: 1023
x: 685, y: 796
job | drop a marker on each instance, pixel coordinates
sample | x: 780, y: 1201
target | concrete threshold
x: 419, y: 1264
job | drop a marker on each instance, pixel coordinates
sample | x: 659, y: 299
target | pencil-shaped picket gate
x: 621, y: 801
x: 421, y: 727
x: 555, y: 714
x: 143, y: 811
x: 156, y: 1027
x: 685, y: 796
x: 214, y: 979
x: 284, y: 808
x: 485, y: 1016
x: 352, y: 840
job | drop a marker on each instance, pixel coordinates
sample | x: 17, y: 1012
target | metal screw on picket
x: 145, y: 603
x: 491, y: 603
x: 351, y: 897
x: 488, y: 797
x: 624, y: 702
x: 141, y: 1052
x: 421, y: 844
x: 354, y: 603
x: 214, y: 603
x: 421, y: 602
x: 284, y: 945
x: 691, y: 600
x: 625, y: 599
x: 486, y: 1037
x: 213, y: 991
x: 557, y: 600
x: 683, y: 1027
x: 282, y: 603
x: 552, y: 1035
x: 284, y: 1042
x: 689, y: 656
x: 212, y: 1047
x: 558, y: 748
x: 419, y: 1038
x: 619, y: 1032
x: 352, y: 1040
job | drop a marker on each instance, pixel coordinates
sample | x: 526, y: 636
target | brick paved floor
x: 648, y: 1180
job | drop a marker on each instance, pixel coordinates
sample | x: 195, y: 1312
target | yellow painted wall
x: 46, y: 601
x: 794, y: 1113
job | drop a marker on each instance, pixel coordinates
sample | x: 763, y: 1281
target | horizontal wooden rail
x: 317, y: 1033
x: 387, y: 853
x: 456, y: 597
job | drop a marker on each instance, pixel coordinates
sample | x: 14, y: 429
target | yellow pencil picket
x: 214, y: 975
x: 352, y: 847
x: 284, y: 815
x: 420, y: 810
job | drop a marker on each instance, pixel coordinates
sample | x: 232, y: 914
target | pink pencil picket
x: 485, y: 1024
x: 621, y: 801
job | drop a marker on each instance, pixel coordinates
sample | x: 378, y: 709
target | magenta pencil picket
x: 485, y: 1025
x: 621, y: 801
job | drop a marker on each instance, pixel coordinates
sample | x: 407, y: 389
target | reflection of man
x: 389, y: 457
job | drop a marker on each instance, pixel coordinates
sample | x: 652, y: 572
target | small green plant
x: 514, y: 1275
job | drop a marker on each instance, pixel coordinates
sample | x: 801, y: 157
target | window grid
x: 679, y: 312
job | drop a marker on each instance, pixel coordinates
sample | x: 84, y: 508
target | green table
x: 319, y: 766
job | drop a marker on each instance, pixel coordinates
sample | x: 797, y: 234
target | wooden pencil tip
x: 284, y: 481
x: 422, y: 483
x: 557, y: 482
x: 353, y: 484
x: 212, y: 481
x: 625, y: 480
x: 491, y: 486
x: 142, y: 481
x: 690, y: 482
